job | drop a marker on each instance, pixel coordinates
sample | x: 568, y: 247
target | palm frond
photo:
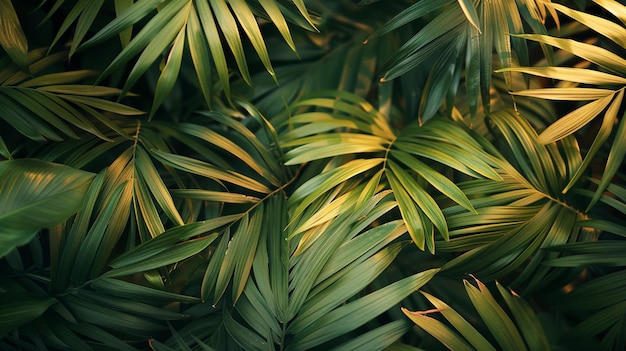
x: 465, y: 29
x: 506, y: 228
x: 372, y: 135
x: 203, y: 24
x: 608, y: 104
x: 518, y: 329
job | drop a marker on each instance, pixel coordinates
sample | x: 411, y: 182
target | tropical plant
x: 312, y: 175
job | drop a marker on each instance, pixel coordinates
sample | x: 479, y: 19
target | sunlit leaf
x: 12, y: 37
x: 497, y: 321
x: 571, y: 74
x: 574, y: 120
x: 35, y: 194
x: 437, y: 329
x: 605, y: 27
x: 593, y: 53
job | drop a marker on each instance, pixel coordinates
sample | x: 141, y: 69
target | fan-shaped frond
x: 205, y: 27
x: 517, y: 216
x: 352, y: 126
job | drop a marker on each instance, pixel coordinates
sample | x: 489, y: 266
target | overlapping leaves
x: 339, y: 128
x: 519, y: 215
x: 54, y: 106
x: 606, y: 98
x: 459, y: 39
x: 205, y: 27
x: 518, y: 329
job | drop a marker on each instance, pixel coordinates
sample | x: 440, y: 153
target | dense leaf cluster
x: 312, y: 175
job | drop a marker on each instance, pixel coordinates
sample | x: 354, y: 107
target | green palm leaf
x: 12, y: 38
x: 34, y: 195
x: 206, y: 23
x: 521, y: 332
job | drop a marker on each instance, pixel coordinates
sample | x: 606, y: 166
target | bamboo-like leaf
x: 169, y: 238
x: 328, y: 145
x: 104, y: 105
x: 168, y: 76
x: 12, y: 37
x: 162, y: 259
x: 249, y: 24
x: 315, y: 187
x: 436, y: 179
x: 604, y: 132
x: 87, y: 17
x: 246, y: 338
x: 229, y: 28
x: 579, y: 75
x: 216, y: 196
x: 215, y: 44
x: 215, y: 267
x: 593, y: 53
x: 369, y: 242
x: 605, y: 27
x: 411, y: 13
x: 574, y: 120
x: 136, y: 308
x: 409, y: 212
x: 200, y: 55
x: 438, y: 330
x: 132, y: 15
x: 604, y: 252
x: 158, y: 189
x: 84, y: 13
x: 229, y: 146
x: 123, y: 289
x: 312, y: 259
x: 440, y: 80
x: 527, y: 321
x: 426, y: 43
x: 4, y: 150
x: 122, y: 6
x: 476, y: 339
x: 172, y: 29
x: 615, y: 159
x: 568, y: 94
x: 493, y: 315
x: 273, y: 11
x: 239, y: 256
x: 425, y: 202
x: 207, y: 170
x: 87, y: 252
x: 35, y: 194
x: 145, y: 36
x: 470, y: 13
x: 61, y: 79
x: 92, y: 313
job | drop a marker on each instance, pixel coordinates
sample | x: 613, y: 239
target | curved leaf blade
x: 35, y: 194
